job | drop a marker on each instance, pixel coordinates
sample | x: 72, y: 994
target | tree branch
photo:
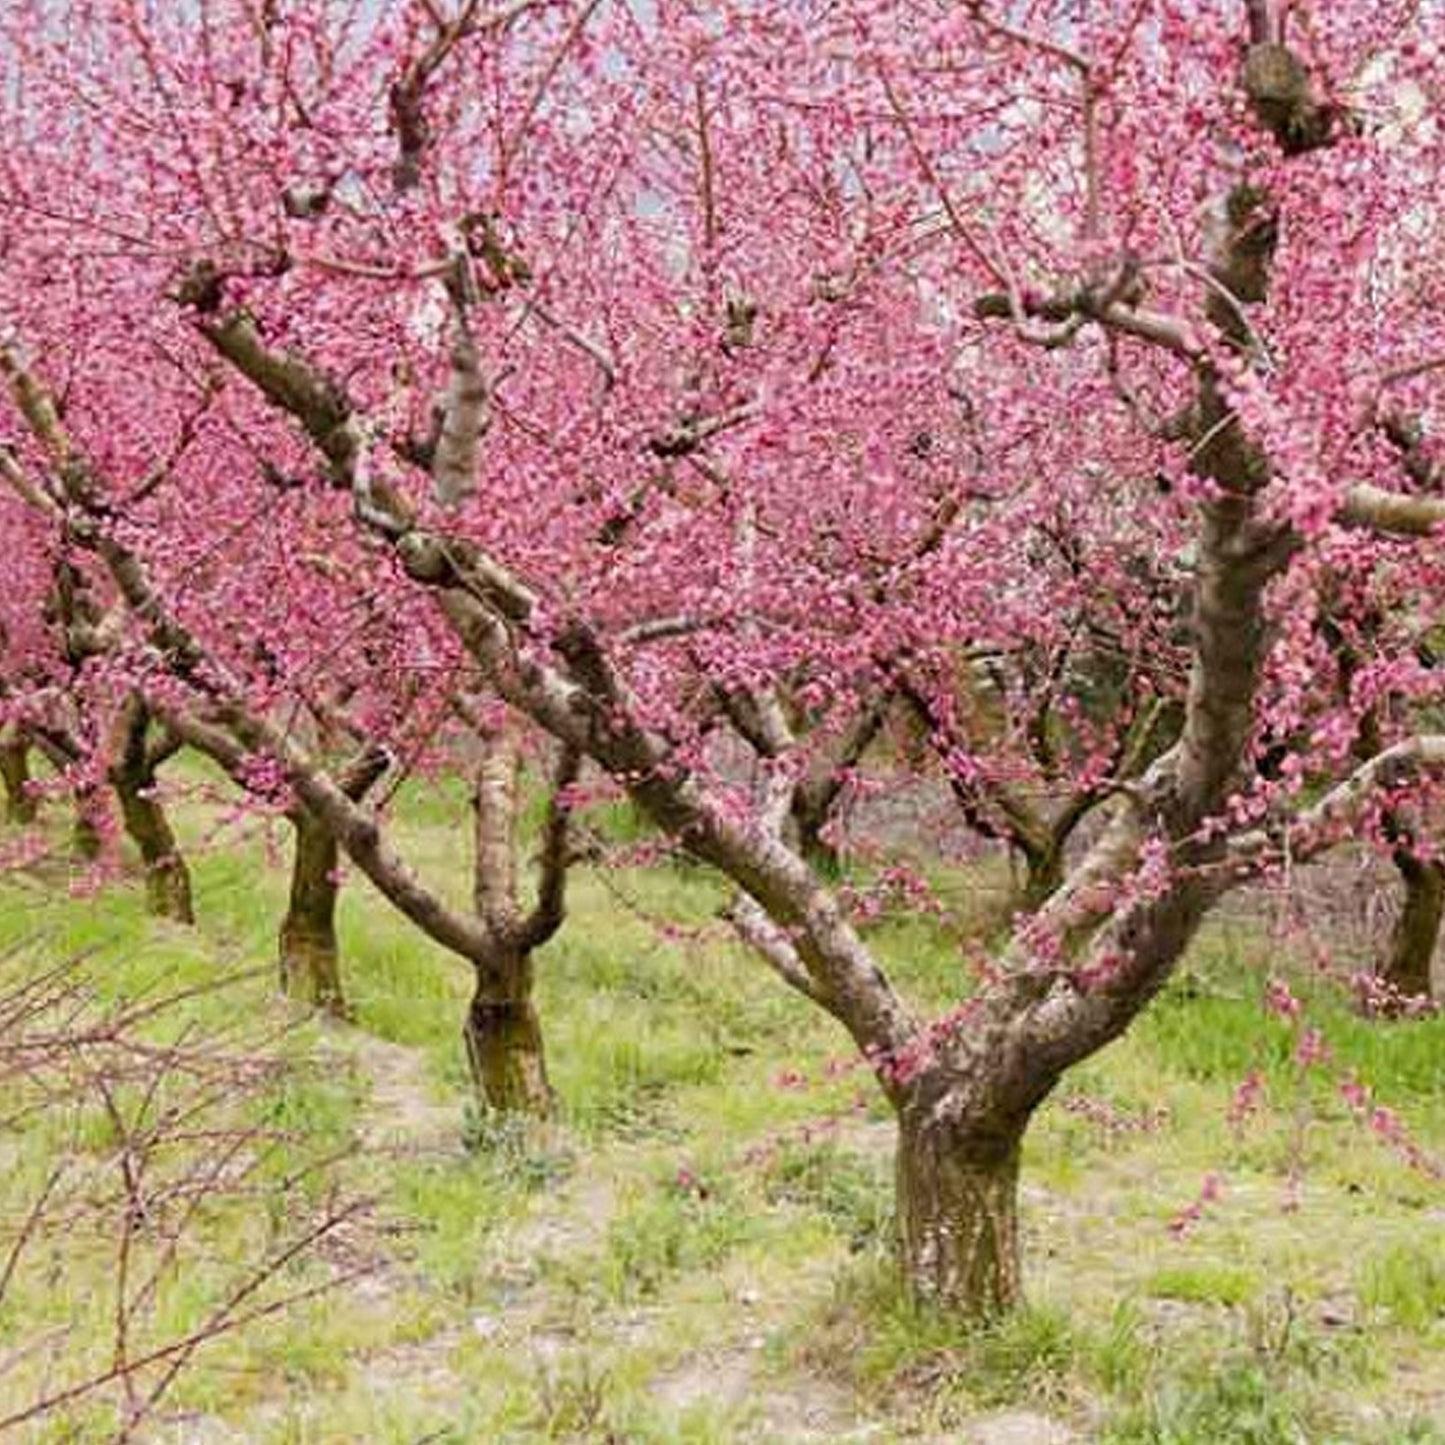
x: 1391, y: 513
x: 587, y: 708
x: 464, y: 417
x: 770, y: 944
x: 1320, y: 827
x: 547, y: 917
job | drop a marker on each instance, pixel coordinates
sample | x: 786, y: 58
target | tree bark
x: 308, y: 952
x: 817, y: 795
x: 496, y: 802
x: 133, y: 776
x: 1412, y: 946
x: 958, y: 1221
x: 168, y: 880
x: 504, y: 1039
x: 309, y: 957
x: 503, y: 1033
x: 21, y: 806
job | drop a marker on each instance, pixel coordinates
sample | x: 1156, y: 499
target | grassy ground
x: 698, y: 1253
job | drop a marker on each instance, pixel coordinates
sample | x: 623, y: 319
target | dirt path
x: 402, y: 1112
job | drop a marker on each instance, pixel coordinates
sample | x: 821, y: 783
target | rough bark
x: 63, y: 750
x: 816, y: 795
x: 503, y: 1033
x: 959, y: 1161
x: 309, y: 957
x: 496, y: 802
x: 958, y: 1216
x: 308, y: 951
x: 503, y: 1036
x: 21, y: 806
x: 500, y: 943
x: 168, y: 882
x: 87, y: 831
x: 1407, y: 967
x: 1004, y: 813
x: 1045, y: 1011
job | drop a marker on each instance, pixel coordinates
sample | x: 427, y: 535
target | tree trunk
x: 503, y: 1033
x: 168, y: 880
x: 20, y: 803
x: 310, y: 962
x: 133, y: 776
x: 957, y: 1198
x: 1412, y: 946
x: 504, y: 1040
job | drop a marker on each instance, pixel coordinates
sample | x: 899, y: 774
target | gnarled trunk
x: 958, y: 1219
x: 1412, y: 945
x: 307, y: 951
x: 504, y: 1039
x: 309, y: 958
x: 21, y: 806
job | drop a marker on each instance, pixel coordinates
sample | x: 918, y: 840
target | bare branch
x: 15, y: 476
x: 1040, y: 43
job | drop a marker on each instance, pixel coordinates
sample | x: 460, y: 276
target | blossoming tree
x: 617, y: 330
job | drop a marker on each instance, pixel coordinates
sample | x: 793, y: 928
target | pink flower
x: 1279, y: 1000
x: 1247, y: 1097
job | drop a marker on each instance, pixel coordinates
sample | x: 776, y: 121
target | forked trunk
x: 503, y: 1033
x: 20, y: 803
x: 1412, y: 945
x: 958, y: 1224
x: 309, y: 958
x: 504, y: 1040
x: 168, y: 880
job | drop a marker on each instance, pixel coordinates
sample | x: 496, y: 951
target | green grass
x: 697, y: 1252
x: 1406, y: 1282
x: 1207, y: 1283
